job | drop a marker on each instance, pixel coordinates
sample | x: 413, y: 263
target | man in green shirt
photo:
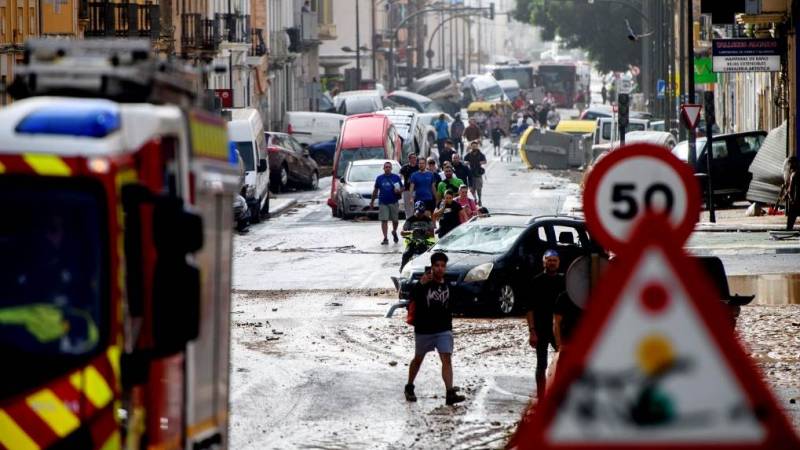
x: 449, y: 183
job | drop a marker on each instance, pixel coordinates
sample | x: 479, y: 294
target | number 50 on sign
x: 635, y: 180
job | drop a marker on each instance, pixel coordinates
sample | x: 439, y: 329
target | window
x: 541, y: 233
x: 3, y: 22
x: 20, y: 24
x: 566, y: 236
x: 32, y: 20
x: 719, y: 149
x: 749, y: 144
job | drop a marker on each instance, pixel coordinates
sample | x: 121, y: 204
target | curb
x: 742, y: 251
x: 731, y: 228
x: 287, y: 204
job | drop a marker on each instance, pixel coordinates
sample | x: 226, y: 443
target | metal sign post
x: 623, y: 100
x: 709, y: 107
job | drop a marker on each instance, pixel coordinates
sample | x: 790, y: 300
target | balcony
x: 278, y: 50
x: 122, y: 20
x: 235, y: 27
x: 327, y: 31
x: 199, y: 34
x: 257, y: 45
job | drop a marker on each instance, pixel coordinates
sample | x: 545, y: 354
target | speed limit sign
x: 633, y: 181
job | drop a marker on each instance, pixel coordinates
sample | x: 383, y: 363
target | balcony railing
x: 257, y: 45
x: 122, y: 19
x: 235, y: 27
x: 198, y: 33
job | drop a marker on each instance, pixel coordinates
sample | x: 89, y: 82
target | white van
x: 608, y: 129
x: 309, y: 127
x: 246, y: 130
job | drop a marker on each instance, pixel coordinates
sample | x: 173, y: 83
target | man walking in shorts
x: 433, y: 327
x: 388, y: 187
x: 476, y: 160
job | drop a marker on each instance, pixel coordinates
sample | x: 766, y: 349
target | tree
x: 598, y: 28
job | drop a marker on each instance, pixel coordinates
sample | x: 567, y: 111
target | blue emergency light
x: 95, y: 119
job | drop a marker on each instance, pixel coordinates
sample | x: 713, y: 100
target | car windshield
x: 682, y: 149
x: 491, y: 93
x: 362, y: 173
x: 246, y: 150
x: 523, y: 76
x: 350, y: 154
x: 53, y: 274
x: 478, y: 238
x: 361, y: 105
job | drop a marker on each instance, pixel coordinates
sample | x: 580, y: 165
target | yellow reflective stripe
x: 53, y: 411
x: 96, y: 388
x: 113, y: 357
x: 47, y: 164
x: 75, y: 380
x: 12, y: 436
x: 2, y: 168
x: 113, y: 442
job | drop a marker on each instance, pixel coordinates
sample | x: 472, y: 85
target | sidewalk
x: 729, y: 220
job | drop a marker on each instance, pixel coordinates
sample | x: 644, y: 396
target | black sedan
x: 492, y: 259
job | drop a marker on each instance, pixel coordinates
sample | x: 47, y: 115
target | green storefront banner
x: 703, y: 71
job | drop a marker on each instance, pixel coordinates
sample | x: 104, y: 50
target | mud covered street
x: 326, y: 370
x: 316, y: 364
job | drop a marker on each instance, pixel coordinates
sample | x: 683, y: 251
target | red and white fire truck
x: 116, y: 190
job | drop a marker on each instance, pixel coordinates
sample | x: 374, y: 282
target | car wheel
x: 313, y: 185
x: 506, y: 300
x: 283, y: 178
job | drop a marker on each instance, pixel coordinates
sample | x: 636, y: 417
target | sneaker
x: 394, y: 236
x: 385, y: 241
x: 409, y: 391
x: 453, y: 398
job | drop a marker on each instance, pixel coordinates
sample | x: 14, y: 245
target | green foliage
x: 597, y: 28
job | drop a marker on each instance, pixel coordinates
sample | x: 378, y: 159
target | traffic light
x: 623, y: 100
x: 491, y: 11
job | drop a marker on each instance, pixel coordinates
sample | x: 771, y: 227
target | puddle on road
x: 770, y: 289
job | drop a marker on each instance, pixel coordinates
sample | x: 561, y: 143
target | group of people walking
x: 552, y: 318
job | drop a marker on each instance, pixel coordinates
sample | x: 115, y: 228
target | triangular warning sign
x: 655, y: 364
x: 691, y: 114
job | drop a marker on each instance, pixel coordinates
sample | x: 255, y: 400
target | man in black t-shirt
x: 433, y: 325
x: 545, y: 288
x: 450, y: 214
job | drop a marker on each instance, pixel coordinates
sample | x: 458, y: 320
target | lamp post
x: 358, y: 46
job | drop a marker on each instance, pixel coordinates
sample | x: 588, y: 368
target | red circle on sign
x: 654, y: 298
x: 606, y: 164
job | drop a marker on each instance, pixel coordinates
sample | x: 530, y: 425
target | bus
x: 561, y: 81
x: 522, y: 73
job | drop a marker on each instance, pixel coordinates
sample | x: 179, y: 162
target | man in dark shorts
x: 476, y: 160
x: 545, y: 288
x: 433, y: 327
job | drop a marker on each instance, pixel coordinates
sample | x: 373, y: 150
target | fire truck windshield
x: 52, y: 268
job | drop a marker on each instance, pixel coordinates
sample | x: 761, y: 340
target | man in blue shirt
x: 442, y: 132
x: 423, y: 188
x: 388, y: 188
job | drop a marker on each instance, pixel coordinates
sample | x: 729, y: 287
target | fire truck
x: 116, y: 187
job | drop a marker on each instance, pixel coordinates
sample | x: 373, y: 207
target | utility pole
x: 690, y: 77
x: 358, y: 49
x: 681, y: 60
x: 480, y: 34
x: 373, y: 41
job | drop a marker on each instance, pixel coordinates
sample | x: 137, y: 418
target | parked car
x: 510, y: 88
x: 290, y: 163
x: 354, y: 192
x: 322, y: 152
x: 481, y: 88
x: 310, y: 127
x: 246, y: 130
x: 350, y: 103
x: 597, y: 111
x: 731, y: 155
x: 411, y: 130
x: 420, y: 103
x: 364, y: 136
x: 491, y: 259
x: 427, y: 120
x: 608, y: 130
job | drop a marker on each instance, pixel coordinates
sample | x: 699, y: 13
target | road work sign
x: 654, y: 362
